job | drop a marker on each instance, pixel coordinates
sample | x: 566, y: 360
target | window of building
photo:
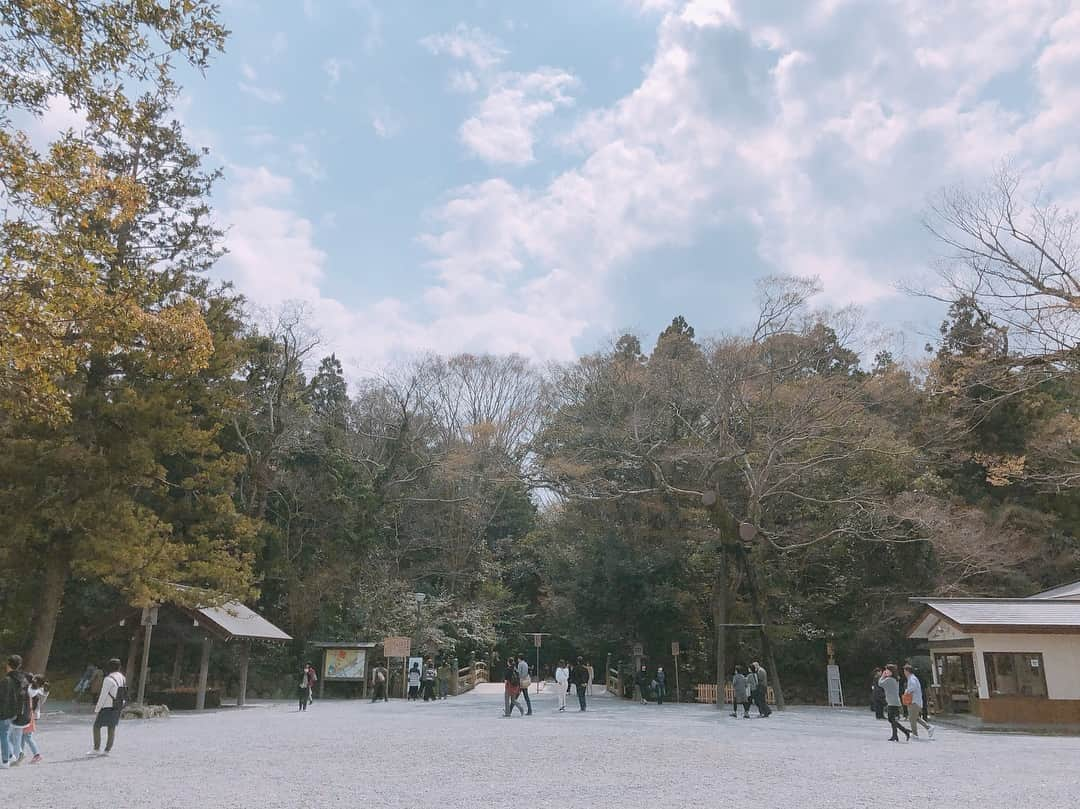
x: 1015, y: 674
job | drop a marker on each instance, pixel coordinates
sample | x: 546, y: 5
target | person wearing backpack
x: 511, y: 688
x: 380, y: 676
x: 111, y: 702
x: 23, y: 723
x: 11, y: 687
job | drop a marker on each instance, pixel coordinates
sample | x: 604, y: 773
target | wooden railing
x: 469, y: 677
x: 614, y: 682
x: 706, y: 692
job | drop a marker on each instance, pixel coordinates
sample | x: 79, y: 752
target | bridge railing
x: 469, y: 677
x: 614, y: 682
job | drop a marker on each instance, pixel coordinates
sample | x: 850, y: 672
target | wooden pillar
x: 178, y: 664
x: 245, y: 655
x: 144, y: 668
x: 133, y: 651
x: 204, y: 670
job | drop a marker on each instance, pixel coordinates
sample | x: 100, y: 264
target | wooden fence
x: 707, y: 693
x: 469, y: 677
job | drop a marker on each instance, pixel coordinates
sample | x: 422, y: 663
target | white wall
x: 1061, y: 659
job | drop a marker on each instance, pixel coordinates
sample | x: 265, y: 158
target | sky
x: 538, y: 177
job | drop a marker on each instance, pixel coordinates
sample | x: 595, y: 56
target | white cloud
x: 471, y: 45
x: 385, y: 124
x: 334, y: 68
x: 503, y: 128
x: 267, y: 95
x: 306, y: 163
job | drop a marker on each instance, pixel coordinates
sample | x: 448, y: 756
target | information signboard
x: 397, y: 647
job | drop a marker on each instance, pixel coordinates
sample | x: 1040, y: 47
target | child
x: 39, y: 692
x: 36, y: 693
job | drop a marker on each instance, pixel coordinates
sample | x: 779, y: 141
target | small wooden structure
x: 1008, y: 660
x: 229, y: 623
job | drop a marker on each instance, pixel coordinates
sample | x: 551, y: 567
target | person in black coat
x: 877, y: 695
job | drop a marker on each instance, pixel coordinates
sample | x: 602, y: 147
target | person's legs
x: 894, y: 714
x: 15, y: 735
x: 913, y: 718
x: 746, y: 708
x: 97, y: 732
x: 301, y: 699
x: 581, y: 696
x: 561, y: 697
x: 28, y: 741
x: 111, y: 728
x: 5, y: 739
x: 528, y: 702
x: 508, y: 703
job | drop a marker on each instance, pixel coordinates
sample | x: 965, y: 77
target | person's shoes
x: 931, y: 732
x: 529, y: 713
x: 15, y: 762
x: 92, y: 753
x: 36, y: 759
x: 563, y: 708
x: 747, y: 716
x: 893, y: 739
x: 104, y: 753
x: 734, y: 716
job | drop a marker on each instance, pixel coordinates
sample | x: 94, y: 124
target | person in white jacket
x: 562, y: 681
x: 109, y: 705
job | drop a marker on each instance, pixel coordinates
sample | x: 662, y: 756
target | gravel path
x: 461, y: 753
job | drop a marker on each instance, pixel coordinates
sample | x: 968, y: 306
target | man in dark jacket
x: 580, y: 678
x: 641, y: 681
x: 761, y: 693
x: 12, y: 687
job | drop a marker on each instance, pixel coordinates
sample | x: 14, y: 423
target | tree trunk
x: 49, y: 600
x: 761, y: 615
x: 720, y: 597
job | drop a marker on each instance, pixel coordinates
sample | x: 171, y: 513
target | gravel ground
x: 461, y: 753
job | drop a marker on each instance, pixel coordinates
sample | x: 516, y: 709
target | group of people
x: 306, y: 687
x: 22, y: 696
x: 424, y: 681
x: 891, y: 694
x: 517, y: 679
x: 750, y: 687
x: 646, y: 685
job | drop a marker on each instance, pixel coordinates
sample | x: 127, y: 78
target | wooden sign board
x: 537, y: 638
x: 639, y: 650
x: 675, y: 648
x: 397, y: 647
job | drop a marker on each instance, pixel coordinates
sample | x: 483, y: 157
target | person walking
x: 312, y: 678
x: 524, y: 680
x: 414, y: 682
x: 303, y: 689
x: 740, y: 693
x: 562, y: 681
x: 891, y: 686
x: 23, y: 722
x: 641, y: 684
x: 914, y: 699
x: 511, y: 688
x: 580, y: 677
x: 877, y: 695
x: 11, y: 687
x: 592, y: 675
x: 751, y: 688
x: 36, y: 694
x: 761, y: 691
x: 379, y: 679
x: 427, y: 680
x: 109, y: 706
x: 660, y: 686
x: 444, y: 679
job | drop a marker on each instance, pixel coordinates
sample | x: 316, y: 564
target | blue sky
x: 536, y: 177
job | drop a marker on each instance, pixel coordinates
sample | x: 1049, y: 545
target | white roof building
x: 1011, y: 660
